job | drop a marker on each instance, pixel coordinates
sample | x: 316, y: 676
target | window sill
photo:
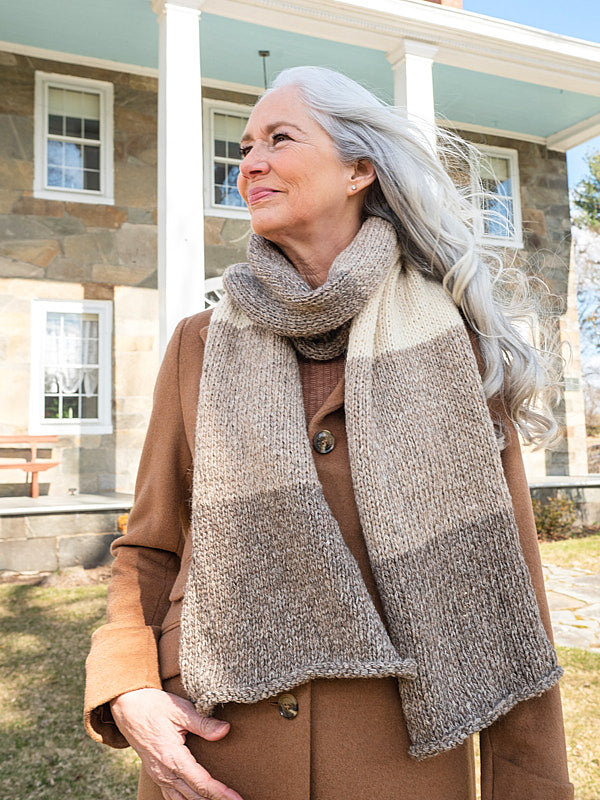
x: 233, y: 212
x: 65, y: 196
x: 499, y: 241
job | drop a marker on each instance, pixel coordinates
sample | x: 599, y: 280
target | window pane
x: 70, y: 409
x: 50, y: 381
x: 229, y: 128
x: 91, y: 157
x: 235, y: 128
x: 73, y: 127
x: 91, y: 128
x: 72, y: 154
x: 51, y: 407
x: 91, y: 180
x: 55, y: 101
x: 56, y: 124
x: 91, y: 105
x: 73, y: 103
x: 55, y: 153
x: 233, y: 150
x: 56, y: 176
x: 89, y: 407
x: 495, y: 168
x: 221, y: 147
x: 499, y: 220
x: 220, y: 173
x: 73, y: 179
x: 71, y: 324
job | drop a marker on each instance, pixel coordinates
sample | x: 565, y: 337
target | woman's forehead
x: 282, y: 105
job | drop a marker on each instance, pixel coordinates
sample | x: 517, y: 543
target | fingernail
x: 220, y: 725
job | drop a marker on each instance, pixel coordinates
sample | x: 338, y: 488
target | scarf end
x: 205, y: 702
x: 425, y: 749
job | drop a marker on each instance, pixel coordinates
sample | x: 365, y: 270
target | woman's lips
x: 260, y: 193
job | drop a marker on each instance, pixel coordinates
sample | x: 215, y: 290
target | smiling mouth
x: 256, y: 195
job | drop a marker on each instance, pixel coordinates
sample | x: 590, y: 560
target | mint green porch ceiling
x: 495, y: 102
x: 126, y: 31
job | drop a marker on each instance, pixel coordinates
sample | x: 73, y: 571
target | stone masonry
x: 51, y: 249
x: 546, y: 254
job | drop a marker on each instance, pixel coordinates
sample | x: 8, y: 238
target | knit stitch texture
x: 274, y: 597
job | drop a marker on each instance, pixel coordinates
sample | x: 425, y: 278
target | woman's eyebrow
x: 271, y: 127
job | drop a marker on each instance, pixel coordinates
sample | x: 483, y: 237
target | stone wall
x: 51, y: 239
x: 88, y: 463
x: 546, y: 253
x: 46, y: 542
x: 68, y: 251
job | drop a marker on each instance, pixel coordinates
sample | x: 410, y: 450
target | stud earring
x: 353, y: 187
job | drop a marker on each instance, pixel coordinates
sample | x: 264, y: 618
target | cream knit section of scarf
x: 274, y: 597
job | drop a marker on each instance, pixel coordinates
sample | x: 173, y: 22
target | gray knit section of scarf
x: 317, y: 321
x: 274, y: 597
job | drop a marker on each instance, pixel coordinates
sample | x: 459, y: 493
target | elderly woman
x: 330, y: 578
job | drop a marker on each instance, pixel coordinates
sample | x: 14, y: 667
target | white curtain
x: 71, y: 353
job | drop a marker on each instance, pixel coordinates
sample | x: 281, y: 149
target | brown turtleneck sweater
x: 319, y: 379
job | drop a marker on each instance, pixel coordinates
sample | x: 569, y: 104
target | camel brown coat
x: 349, y: 738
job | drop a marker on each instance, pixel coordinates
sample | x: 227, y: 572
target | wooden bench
x: 33, y: 466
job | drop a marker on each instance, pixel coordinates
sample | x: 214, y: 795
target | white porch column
x: 412, y: 63
x: 180, y: 174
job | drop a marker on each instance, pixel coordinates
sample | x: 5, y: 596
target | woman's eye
x: 244, y: 151
x: 279, y: 137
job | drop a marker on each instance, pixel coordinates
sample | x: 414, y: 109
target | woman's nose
x: 254, y: 164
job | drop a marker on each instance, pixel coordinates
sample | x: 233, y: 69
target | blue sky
x: 579, y: 18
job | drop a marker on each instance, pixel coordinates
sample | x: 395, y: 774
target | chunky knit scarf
x: 274, y: 596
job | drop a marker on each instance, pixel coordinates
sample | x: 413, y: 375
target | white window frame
x: 512, y: 156
x: 104, y: 196
x: 208, y: 108
x: 71, y: 427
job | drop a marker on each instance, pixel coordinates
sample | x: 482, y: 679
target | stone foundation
x: 47, y: 542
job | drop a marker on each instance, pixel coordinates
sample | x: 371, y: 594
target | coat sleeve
x: 123, y: 654
x: 524, y: 754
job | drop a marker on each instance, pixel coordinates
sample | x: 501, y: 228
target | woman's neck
x: 314, y: 257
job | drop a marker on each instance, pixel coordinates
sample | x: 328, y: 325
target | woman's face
x: 291, y: 177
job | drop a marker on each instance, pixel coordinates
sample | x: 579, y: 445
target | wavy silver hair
x: 439, y: 224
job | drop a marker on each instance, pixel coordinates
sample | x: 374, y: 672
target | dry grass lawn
x: 583, y: 553
x: 46, y: 755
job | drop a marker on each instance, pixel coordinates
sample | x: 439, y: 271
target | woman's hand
x: 155, y: 724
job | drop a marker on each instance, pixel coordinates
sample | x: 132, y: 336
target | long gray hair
x: 439, y: 224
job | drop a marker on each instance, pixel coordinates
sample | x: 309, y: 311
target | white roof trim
x: 561, y: 141
x: 229, y: 86
x: 74, y: 58
x: 576, y: 134
x: 488, y: 131
x: 464, y: 39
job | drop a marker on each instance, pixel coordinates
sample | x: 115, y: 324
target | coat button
x: 324, y: 441
x: 287, y: 705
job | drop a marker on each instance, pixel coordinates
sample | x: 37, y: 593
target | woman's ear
x: 363, y: 174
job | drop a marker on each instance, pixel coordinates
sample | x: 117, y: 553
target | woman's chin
x: 265, y: 225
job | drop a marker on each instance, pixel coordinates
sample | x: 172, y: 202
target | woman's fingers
x: 155, y: 724
x: 189, y: 778
x: 192, y: 722
x: 178, y: 772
